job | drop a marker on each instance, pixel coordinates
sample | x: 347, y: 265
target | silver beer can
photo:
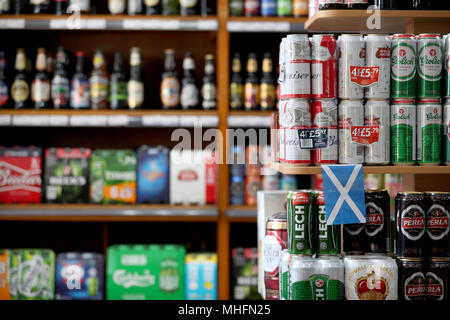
x: 350, y: 113
x: 325, y: 116
x: 282, y: 69
x: 284, y: 275
x: 351, y: 53
x: 378, y: 54
x: 301, y: 269
x: 377, y: 113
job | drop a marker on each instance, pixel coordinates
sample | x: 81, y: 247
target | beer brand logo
x: 16, y: 178
x: 437, y: 222
x: 434, y: 287
x: 319, y: 283
x: 72, y: 275
x: 300, y: 198
x: 430, y: 62
x: 133, y: 279
x: 401, y: 115
x: 355, y: 228
x: 383, y: 53
x: 435, y: 115
x: 415, y: 287
x: 403, y: 63
x: 187, y: 175
x: 345, y: 123
x: 372, y: 287
x: 413, y: 222
x: 34, y: 275
x: 374, y: 219
x: 272, y: 248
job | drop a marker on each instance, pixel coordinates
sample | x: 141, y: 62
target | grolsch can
x: 410, y: 217
x: 327, y: 236
x: 355, y: 239
x: 351, y: 53
x: 378, y: 54
x: 403, y: 66
x: 403, y: 132
x: 446, y: 68
x: 299, y: 222
x: 377, y: 113
x: 436, y: 278
x: 437, y: 206
x: 429, y: 132
x: 446, y: 132
x: 429, y: 65
x: 350, y: 113
x: 377, y: 221
x: 325, y: 117
x: 324, y: 66
x: 411, y: 279
x: 284, y: 275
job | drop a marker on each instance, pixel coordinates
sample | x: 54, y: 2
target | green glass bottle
x: 170, y: 7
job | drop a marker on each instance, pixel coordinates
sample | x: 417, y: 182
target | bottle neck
x: 80, y: 65
x: 41, y: 62
x: 169, y: 63
x: 20, y: 61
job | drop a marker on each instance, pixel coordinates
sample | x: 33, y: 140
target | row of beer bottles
x: 385, y: 4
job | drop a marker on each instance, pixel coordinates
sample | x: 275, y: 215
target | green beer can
x: 429, y: 65
x: 403, y: 132
x: 13, y: 273
x: 403, y: 66
x: 446, y: 131
x: 299, y: 222
x: 429, y: 132
x: 284, y: 275
x: 284, y: 8
x: 326, y: 237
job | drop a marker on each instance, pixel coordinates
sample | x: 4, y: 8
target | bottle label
x: 189, y: 95
x: 4, y: 93
x: 188, y: 3
x: 116, y: 6
x: 20, y: 91
x: 135, y: 94
x: 236, y: 95
x: 251, y: 93
x: 268, y: 95
x: 170, y: 92
x: 79, y: 95
x: 98, y: 88
x: 118, y: 91
x: 151, y: 3
x: 209, y: 91
x: 60, y: 90
x: 40, y: 90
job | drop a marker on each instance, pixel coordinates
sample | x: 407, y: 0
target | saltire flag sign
x: 343, y: 187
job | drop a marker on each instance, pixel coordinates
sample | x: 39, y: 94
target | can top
x: 437, y: 193
x: 403, y: 35
x: 403, y: 101
x: 351, y: 37
x: 366, y: 257
x: 297, y: 37
x: 374, y: 36
x: 375, y: 190
x: 438, y: 259
x: 418, y: 259
x: 429, y: 100
x: 410, y: 192
x: 351, y: 102
x: 429, y: 35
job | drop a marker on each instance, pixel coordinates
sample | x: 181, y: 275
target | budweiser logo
x: 13, y: 178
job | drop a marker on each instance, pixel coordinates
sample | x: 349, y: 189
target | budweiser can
x: 446, y: 71
x: 351, y: 54
x: 411, y: 279
x: 437, y: 205
x: 429, y: 132
x: 284, y: 275
x: 378, y: 54
x: 282, y: 67
x: 351, y: 113
x: 370, y: 278
x: 298, y: 67
x: 294, y: 114
x: 324, y: 67
x: 436, y: 278
x: 377, y: 113
x: 430, y: 63
x: 325, y: 117
x: 403, y: 132
x: 403, y: 66
x: 446, y: 128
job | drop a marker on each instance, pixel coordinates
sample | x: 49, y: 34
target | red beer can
x: 324, y: 67
x: 325, y: 116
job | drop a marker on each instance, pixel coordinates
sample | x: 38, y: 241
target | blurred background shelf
x: 238, y: 212
x: 266, y: 24
x: 249, y: 119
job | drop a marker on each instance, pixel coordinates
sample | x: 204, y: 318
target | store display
x: 200, y: 276
x: 189, y: 97
x: 411, y: 279
x: 403, y: 132
x: 436, y: 277
x: 244, y: 274
x: 377, y: 113
x: 324, y: 113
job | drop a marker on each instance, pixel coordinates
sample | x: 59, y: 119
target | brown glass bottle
x: 20, y: 89
x: 170, y: 85
x: 99, y: 82
x: 331, y: 4
x: 252, y: 88
x: 236, y: 84
x: 40, y: 87
x: 268, y: 89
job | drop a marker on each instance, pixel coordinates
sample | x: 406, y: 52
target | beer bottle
x: 19, y: 6
x: 118, y: 85
x: 4, y: 85
x: 60, y: 91
x: 135, y: 86
x: 331, y: 4
x: 79, y: 93
x: 236, y: 85
x: 170, y: 85
x: 4, y: 8
x: 134, y: 7
x: 83, y: 5
x: 189, y: 90
x: 236, y: 7
x: 40, y: 87
x: 188, y: 7
x: 61, y: 7
x: 152, y: 7
x: 268, y: 90
x: 209, y: 94
x: 170, y: 7
x: 20, y: 90
x: 207, y: 7
x: 40, y: 6
x: 116, y: 6
x: 251, y: 89
x: 98, y: 82
x: 49, y: 66
x: 252, y: 8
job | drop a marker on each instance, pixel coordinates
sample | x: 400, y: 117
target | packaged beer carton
x: 153, y: 174
x: 145, y: 272
x: 14, y: 257
x: 4, y: 289
x: 67, y: 175
x: 79, y: 276
x: 20, y: 175
x: 245, y: 274
x: 201, y: 276
x: 113, y: 176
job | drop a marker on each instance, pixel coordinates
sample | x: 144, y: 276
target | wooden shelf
x: 391, y: 21
x: 266, y: 24
x: 249, y: 119
x: 239, y: 212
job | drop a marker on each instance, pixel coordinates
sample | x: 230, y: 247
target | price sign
x: 313, y: 138
x: 364, y: 76
x: 365, y: 134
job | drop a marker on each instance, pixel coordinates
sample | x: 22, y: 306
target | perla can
x: 378, y: 54
x: 403, y: 132
x: 411, y: 279
x: 377, y: 113
x: 350, y: 113
x: 299, y: 222
x: 294, y: 114
x: 436, y: 277
x: 351, y: 53
x: 325, y: 117
x: 446, y: 131
x: 429, y: 132
x: 403, y: 66
x: 429, y: 65
x: 326, y: 236
x: 370, y: 278
x: 324, y: 66
x: 284, y: 275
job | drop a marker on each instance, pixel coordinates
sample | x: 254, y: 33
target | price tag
x: 151, y: 121
x: 207, y: 25
x: 88, y: 121
x: 210, y: 121
x: 313, y: 138
x: 170, y: 24
x: 12, y: 23
x: 37, y: 120
x: 5, y: 120
x: 169, y: 121
x: 118, y: 120
x: 132, y: 24
x: 58, y: 120
x: 365, y: 134
x: 189, y: 121
x: 58, y: 24
x: 93, y: 24
x: 154, y: 24
x: 364, y: 76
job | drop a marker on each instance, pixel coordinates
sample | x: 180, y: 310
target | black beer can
x: 377, y: 221
x: 410, y: 219
x: 437, y: 205
x: 436, y: 279
x: 411, y: 279
x: 355, y: 240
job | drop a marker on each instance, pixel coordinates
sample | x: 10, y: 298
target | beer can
x: 430, y: 65
x: 378, y: 54
x: 371, y: 278
x: 294, y: 114
x: 350, y: 113
x: 437, y: 205
x: 324, y: 66
x: 403, y: 66
x: 446, y: 131
x: 327, y: 236
x: 429, y: 132
x: 403, y: 132
x: 298, y: 67
x: 300, y: 270
x: 436, y: 278
x: 284, y: 275
x: 14, y: 258
x: 325, y: 117
x: 299, y: 222
x: 377, y: 113
x: 446, y: 71
x: 377, y: 220
x: 411, y: 279
x: 355, y: 239
x: 284, y: 8
x: 351, y: 54
x: 410, y: 217
x: 282, y: 67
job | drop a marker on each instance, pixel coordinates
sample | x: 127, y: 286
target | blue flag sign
x: 343, y: 187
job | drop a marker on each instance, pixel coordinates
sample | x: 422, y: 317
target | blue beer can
x: 268, y: 8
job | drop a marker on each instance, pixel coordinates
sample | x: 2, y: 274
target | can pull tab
x: 282, y: 76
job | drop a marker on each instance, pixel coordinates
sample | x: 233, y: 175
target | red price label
x: 364, y: 76
x: 365, y: 134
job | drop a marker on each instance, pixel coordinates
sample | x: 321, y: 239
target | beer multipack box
x: 66, y: 175
x: 153, y: 174
x: 4, y: 288
x: 193, y: 177
x: 145, y: 272
x: 20, y: 175
x: 79, y: 276
x: 113, y: 176
x: 245, y: 274
x: 201, y: 276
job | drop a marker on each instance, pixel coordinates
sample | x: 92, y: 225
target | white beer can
x: 282, y: 69
x: 377, y: 113
x: 378, y: 54
x: 350, y: 113
x: 351, y: 53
